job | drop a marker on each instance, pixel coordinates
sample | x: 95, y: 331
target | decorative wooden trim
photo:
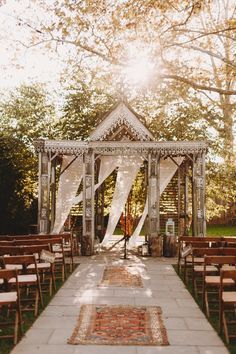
x: 171, y: 148
x: 121, y: 115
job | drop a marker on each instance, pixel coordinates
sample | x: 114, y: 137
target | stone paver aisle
x: 188, y: 330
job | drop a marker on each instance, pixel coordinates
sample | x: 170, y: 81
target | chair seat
x: 196, y: 259
x: 208, y: 269
x: 229, y: 297
x: 25, y: 279
x: 40, y: 266
x: 14, y: 266
x: 228, y: 267
x: 6, y: 298
x: 58, y: 255
x: 67, y: 248
x: 215, y: 280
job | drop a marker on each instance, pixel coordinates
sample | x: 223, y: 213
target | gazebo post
x: 154, y: 204
x: 186, y: 197
x: 198, y: 192
x: 183, y: 221
x: 87, y: 243
x: 44, y: 193
x: 53, y: 191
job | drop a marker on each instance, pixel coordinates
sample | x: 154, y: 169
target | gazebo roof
x: 121, y: 119
x: 121, y: 132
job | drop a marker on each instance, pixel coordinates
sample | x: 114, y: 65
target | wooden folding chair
x: 68, y: 247
x: 188, y: 257
x: 211, y: 283
x: 45, y: 266
x: 9, y: 302
x: 198, y: 269
x: 28, y: 281
x: 57, y: 247
x: 227, y: 305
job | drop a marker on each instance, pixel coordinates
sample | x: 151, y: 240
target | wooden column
x: 100, y: 213
x: 53, y: 191
x: 44, y: 193
x: 183, y: 199
x: 199, y: 217
x: 186, y: 198
x: 154, y: 204
x: 88, y: 204
x: 99, y: 206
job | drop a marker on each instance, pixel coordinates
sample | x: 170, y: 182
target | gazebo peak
x: 121, y: 123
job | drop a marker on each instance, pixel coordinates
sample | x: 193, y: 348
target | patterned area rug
x: 119, y: 325
x: 122, y: 276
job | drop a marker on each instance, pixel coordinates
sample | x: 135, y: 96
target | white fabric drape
x: 128, y: 169
x: 167, y: 171
x: 68, y: 186
x: 107, y: 166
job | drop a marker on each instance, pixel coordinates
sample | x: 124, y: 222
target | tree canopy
x: 25, y: 114
x: 187, y: 44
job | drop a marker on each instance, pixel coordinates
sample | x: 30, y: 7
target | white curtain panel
x: 68, y: 186
x: 167, y: 171
x: 128, y: 169
x: 107, y: 166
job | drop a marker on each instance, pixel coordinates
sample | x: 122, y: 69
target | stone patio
x: 187, y: 328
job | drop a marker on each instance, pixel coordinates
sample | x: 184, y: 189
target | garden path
x: 187, y: 328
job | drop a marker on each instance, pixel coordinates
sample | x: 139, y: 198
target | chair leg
x: 185, y: 270
x: 40, y: 294
x: 207, y: 305
x: 36, y: 306
x: 16, y: 327
x: 204, y: 290
x: 225, y: 328
x: 53, y: 278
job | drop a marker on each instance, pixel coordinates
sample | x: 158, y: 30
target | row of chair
x: 69, y: 242
x: 20, y: 285
x: 204, y: 242
x: 28, y: 268
x: 213, y: 272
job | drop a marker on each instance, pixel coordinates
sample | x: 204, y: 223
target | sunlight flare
x: 139, y: 71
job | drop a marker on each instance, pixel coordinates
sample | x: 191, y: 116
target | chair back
x: 201, y: 252
x: 25, y: 260
x: 9, y: 250
x: 219, y: 260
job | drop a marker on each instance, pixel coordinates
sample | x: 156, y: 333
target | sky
x: 17, y: 63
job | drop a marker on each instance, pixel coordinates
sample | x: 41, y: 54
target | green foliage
x: 221, y: 188
x: 18, y: 174
x: 25, y: 115
x: 83, y: 109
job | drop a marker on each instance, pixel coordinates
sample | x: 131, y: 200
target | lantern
x: 170, y: 227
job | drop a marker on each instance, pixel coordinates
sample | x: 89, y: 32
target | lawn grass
x: 214, y: 318
x: 212, y: 230
x: 6, y: 345
x: 221, y: 230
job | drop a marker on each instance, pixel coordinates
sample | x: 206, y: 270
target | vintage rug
x: 119, y: 325
x: 122, y: 276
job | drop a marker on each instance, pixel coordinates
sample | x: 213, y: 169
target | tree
x: 189, y: 42
x: 83, y: 108
x: 18, y: 174
x: 25, y: 115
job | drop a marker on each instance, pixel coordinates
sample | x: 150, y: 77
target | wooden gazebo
x: 122, y: 133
